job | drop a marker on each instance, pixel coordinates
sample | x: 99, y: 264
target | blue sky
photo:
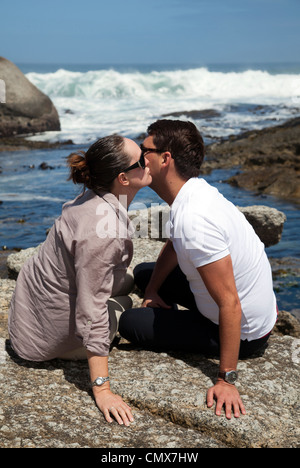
x: 150, y: 31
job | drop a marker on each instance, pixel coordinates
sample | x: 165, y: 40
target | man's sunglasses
x: 151, y: 150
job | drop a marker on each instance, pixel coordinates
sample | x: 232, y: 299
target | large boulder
x: 267, y: 222
x: 27, y: 109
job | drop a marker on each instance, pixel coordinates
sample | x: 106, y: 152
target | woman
x: 67, y: 298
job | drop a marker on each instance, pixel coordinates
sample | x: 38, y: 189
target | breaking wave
x: 97, y: 103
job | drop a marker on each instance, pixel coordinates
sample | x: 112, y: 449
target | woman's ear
x: 123, y: 179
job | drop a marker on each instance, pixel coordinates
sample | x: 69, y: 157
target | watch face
x: 99, y: 381
x: 231, y: 376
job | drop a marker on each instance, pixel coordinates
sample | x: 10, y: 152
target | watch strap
x: 222, y: 375
x: 100, y: 381
x: 229, y: 377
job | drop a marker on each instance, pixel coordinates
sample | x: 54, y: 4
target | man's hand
x: 227, y: 395
x: 153, y: 299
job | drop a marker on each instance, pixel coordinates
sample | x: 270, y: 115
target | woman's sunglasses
x: 141, y: 163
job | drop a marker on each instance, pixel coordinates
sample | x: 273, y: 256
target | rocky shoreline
x: 267, y: 161
x: 21, y: 143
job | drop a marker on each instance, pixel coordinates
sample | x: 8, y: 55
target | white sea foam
x: 96, y: 103
x: 25, y: 197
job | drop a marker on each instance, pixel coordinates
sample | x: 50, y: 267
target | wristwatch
x: 229, y: 377
x: 100, y: 381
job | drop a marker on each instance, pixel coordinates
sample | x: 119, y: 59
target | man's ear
x: 166, y: 158
x: 123, y: 179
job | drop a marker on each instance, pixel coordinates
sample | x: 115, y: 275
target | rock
x: 195, y: 114
x: 174, y: 386
x: 4, y: 253
x: 19, y: 143
x: 45, y: 166
x: 7, y: 287
x: 16, y: 260
x: 287, y: 324
x: 49, y: 405
x: 277, y: 181
x: 267, y: 222
x: 268, y: 159
x: 27, y: 109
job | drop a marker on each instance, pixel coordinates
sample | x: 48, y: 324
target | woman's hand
x: 113, y: 405
x: 109, y: 403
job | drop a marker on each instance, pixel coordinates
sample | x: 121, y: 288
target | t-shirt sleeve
x: 205, y: 241
x: 95, y: 260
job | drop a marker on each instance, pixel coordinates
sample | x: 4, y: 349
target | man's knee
x: 128, y: 323
x: 142, y: 274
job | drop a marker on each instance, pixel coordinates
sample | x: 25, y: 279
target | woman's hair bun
x: 79, y: 170
x: 98, y: 167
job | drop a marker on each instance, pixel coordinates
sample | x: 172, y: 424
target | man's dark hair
x: 185, y: 143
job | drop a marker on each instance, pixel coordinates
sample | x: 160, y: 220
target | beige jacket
x: 60, y: 300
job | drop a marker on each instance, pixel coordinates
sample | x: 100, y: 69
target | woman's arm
x: 107, y: 401
x: 95, y: 260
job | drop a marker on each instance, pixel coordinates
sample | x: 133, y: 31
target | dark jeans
x: 172, y: 329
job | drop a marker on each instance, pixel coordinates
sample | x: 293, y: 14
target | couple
x: 72, y: 297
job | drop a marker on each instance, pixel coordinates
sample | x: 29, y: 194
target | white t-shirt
x: 206, y: 227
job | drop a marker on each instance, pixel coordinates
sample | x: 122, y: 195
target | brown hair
x: 185, y: 143
x: 97, y: 168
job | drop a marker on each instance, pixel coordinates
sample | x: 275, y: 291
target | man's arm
x: 219, y: 280
x: 166, y: 263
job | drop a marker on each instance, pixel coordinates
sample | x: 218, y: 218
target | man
x: 214, y: 265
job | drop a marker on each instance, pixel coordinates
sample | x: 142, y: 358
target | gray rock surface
x: 49, y: 405
x: 27, y: 109
x: 267, y: 222
x: 15, y: 261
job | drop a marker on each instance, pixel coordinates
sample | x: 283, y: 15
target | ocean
x: 94, y: 101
